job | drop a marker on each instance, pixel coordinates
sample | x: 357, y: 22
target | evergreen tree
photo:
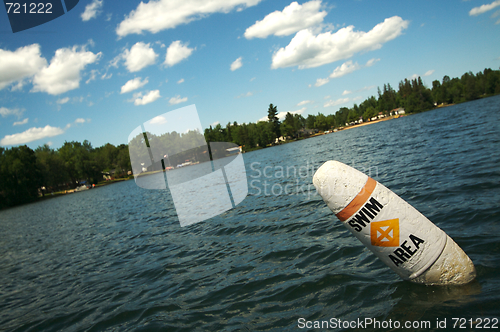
x: 272, y: 116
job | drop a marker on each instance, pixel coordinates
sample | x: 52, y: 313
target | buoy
x: 403, y: 238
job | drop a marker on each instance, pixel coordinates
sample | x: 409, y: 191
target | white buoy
x: 403, y: 238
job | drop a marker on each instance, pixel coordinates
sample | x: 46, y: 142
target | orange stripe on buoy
x: 358, y: 201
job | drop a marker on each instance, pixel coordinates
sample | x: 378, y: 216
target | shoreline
x: 73, y: 191
x: 106, y: 183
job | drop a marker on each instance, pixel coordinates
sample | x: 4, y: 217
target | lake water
x: 115, y: 258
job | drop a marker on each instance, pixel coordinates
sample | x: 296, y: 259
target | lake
x: 115, y: 258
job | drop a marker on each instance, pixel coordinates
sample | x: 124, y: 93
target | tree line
x: 24, y: 171
x: 412, y: 95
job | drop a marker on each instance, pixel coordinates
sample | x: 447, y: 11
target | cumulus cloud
x: 293, y: 18
x: 236, y: 64
x: 180, y: 81
x: 177, y: 100
x: 307, y: 50
x: 22, y: 63
x: 281, y: 115
x: 158, y: 120
x: 18, y: 123
x: 139, y: 57
x: 344, y: 69
x: 159, y: 15
x: 133, y: 84
x: 91, y: 10
x: 31, y: 135
x: 484, y: 8
x: 5, y: 112
x: 63, y: 73
x: 150, y: 97
x: 176, y: 52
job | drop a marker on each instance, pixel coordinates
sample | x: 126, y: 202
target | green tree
x: 20, y: 177
x: 52, y: 168
x: 288, y: 127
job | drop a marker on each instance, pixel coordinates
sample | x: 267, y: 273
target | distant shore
x: 72, y: 191
x: 372, y: 122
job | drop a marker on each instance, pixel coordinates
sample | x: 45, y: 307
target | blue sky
x: 106, y: 67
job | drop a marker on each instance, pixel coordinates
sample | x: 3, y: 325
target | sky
x: 106, y: 67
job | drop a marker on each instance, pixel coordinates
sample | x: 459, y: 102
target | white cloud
x: 346, y: 92
x: 180, y: 81
x: 307, y: 50
x: 484, y: 8
x: 371, y: 62
x: 215, y: 123
x: 344, y: 69
x: 304, y: 102
x: 177, y: 52
x: 336, y: 102
x: 77, y: 121
x: 293, y: 18
x: 321, y: 81
x: 281, y: 115
x: 236, y: 64
x: 18, y: 123
x: 22, y: 63
x: 62, y: 101
x: 177, y: 100
x: 158, y: 120
x: 159, y: 15
x: 31, y: 135
x: 414, y: 76
x: 63, y: 73
x: 5, y: 112
x: 150, y: 97
x: 91, y: 10
x: 429, y: 72
x: 133, y: 84
x: 139, y: 57
x: 264, y: 118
